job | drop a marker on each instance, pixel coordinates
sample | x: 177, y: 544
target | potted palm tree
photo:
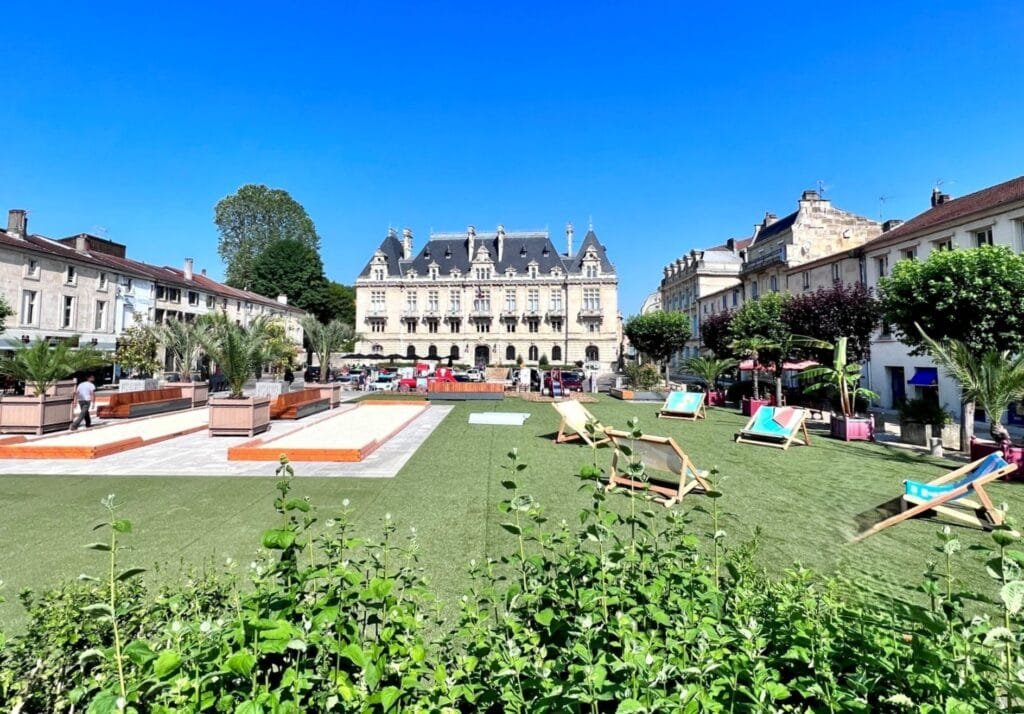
x: 325, y: 340
x: 752, y: 347
x: 184, y: 342
x: 710, y: 369
x: 844, y: 379
x: 42, y: 366
x: 239, y: 352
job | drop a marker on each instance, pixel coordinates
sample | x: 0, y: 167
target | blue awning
x: 925, y: 377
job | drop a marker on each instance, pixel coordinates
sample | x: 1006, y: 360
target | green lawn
x: 807, y: 503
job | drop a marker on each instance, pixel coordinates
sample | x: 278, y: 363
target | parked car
x: 475, y: 374
x: 573, y: 381
x: 312, y: 374
x: 383, y: 383
x: 459, y: 377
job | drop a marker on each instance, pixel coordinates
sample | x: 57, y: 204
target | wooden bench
x: 143, y: 403
x: 298, y: 404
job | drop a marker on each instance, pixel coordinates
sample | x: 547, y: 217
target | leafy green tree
x: 341, y: 303
x: 711, y: 368
x: 716, y: 333
x: 753, y: 347
x: 5, y: 312
x: 972, y: 296
x: 828, y: 314
x: 292, y: 268
x: 842, y: 377
x: 240, y: 352
x: 659, y: 335
x: 253, y: 218
x: 136, y: 350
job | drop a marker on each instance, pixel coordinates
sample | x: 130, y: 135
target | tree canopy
x: 973, y: 296
x: 716, y: 333
x: 658, y: 334
x: 5, y: 312
x: 828, y: 314
x: 341, y: 303
x: 762, y: 318
x: 292, y: 268
x: 251, y: 220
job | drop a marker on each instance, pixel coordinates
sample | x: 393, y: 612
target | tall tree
x: 716, y: 333
x: 341, y: 303
x: 828, y: 314
x: 659, y: 335
x: 972, y: 296
x: 762, y: 318
x: 252, y: 219
x: 292, y: 268
x: 5, y: 312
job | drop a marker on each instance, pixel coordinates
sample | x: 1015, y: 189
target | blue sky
x: 673, y: 127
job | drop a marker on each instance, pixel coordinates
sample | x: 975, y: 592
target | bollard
x: 936, y: 446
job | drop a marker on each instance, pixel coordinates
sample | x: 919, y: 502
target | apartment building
x: 490, y: 299
x: 992, y: 216
x: 86, y: 285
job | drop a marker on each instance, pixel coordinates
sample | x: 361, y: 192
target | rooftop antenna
x: 822, y: 187
x: 881, y: 205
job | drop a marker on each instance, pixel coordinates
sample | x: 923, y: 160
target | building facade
x: 489, y: 299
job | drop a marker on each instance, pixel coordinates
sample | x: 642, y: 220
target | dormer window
x: 456, y: 273
x: 483, y: 273
x: 556, y: 272
x: 379, y: 273
x: 411, y: 273
x: 510, y: 272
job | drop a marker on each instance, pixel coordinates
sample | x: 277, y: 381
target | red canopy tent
x: 748, y: 366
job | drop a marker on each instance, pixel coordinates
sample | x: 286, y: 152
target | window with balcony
x: 510, y: 301
x: 378, y: 301
x: 67, y: 312
x: 592, y: 299
x: 100, y: 322
x: 29, y: 307
x: 533, y: 300
x: 410, y: 302
x: 433, y: 301
x: 482, y: 301
x: 556, y: 300
x: 983, y: 237
x: 455, y: 301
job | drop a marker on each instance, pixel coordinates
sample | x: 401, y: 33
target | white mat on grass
x: 499, y: 418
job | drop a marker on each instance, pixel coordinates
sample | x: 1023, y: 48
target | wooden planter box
x: 749, y: 407
x: 980, y: 448
x: 239, y: 417
x: 198, y: 392
x: 852, y: 428
x: 35, y: 415
x: 620, y: 393
x: 63, y: 388
x: 330, y: 390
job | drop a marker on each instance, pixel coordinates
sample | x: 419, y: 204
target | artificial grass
x: 806, y: 503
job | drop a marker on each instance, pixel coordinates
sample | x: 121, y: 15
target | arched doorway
x: 533, y: 353
x: 482, y: 355
x: 510, y: 354
x: 432, y: 352
x: 556, y: 354
x: 454, y: 352
x: 410, y: 352
x: 592, y: 354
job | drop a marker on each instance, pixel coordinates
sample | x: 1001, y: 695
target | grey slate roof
x: 780, y: 226
x: 451, y: 252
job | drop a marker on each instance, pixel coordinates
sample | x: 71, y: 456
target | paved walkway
x: 199, y: 454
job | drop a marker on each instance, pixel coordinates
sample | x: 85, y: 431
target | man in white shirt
x: 86, y: 392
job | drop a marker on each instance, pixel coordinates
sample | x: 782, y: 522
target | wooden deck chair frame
x: 699, y: 413
x: 577, y: 433
x: 782, y: 442
x: 960, y: 510
x: 665, y: 494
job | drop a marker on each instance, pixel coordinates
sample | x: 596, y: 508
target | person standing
x: 86, y: 393
x: 289, y: 377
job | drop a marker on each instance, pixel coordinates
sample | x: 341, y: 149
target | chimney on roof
x: 810, y: 195
x: 407, y: 243
x: 470, y: 239
x: 82, y: 243
x: 17, y: 222
x: 731, y: 245
x: 202, y: 272
x: 501, y: 242
x: 283, y: 299
x: 769, y: 218
x: 890, y: 224
x: 188, y: 269
x: 938, y: 198
x: 568, y: 239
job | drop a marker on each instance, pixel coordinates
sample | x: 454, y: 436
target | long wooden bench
x: 143, y: 403
x: 298, y: 404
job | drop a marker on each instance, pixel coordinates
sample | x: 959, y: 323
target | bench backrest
x: 143, y: 396
x: 290, y: 399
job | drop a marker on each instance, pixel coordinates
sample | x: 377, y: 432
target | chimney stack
x: 17, y: 222
x: 568, y: 238
x: 810, y: 195
x: 938, y: 198
x: 188, y: 268
x: 501, y: 242
x: 731, y: 245
x: 890, y: 224
x: 407, y: 243
x: 470, y: 239
x: 770, y: 218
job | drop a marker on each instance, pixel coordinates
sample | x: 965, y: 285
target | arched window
x: 556, y: 354
x: 592, y: 354
x: 510, y: 353
x: 454, y: 353
x: 410, y: 352
x: 432, y: 352
x: 377, y: 349
x: 533, y: 353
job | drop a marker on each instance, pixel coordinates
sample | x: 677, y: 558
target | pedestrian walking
x: 86, y: 393
x: 289, y: 377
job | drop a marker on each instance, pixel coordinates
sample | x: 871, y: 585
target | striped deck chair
x: 776, y: 426
x: 575, y: 418
x: 670, y: 473
x: 946, y: 496
x: 683, y: 405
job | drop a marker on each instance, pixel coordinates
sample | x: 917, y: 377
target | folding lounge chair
x: 946, y: 496
x: 683, y: 405
x: 776, y: 426
x: 575, y: 418
x: 658, y: 454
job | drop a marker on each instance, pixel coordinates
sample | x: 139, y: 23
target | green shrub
x: 643, y: 376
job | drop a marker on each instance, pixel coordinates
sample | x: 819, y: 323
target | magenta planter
x: 981, y: 448
x: 716, y: 399
x: 749, y: 407
x: 852, y: 428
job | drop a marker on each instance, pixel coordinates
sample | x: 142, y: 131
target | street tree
x: 659, y: 335
x: 716, y: 333
x: 253, y: 218
x: 292, y: 268
x: 341, y: 303
x: 828, y: 314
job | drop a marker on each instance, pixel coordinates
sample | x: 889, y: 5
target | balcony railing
x: 376, y: 313
x: 453, y: 314
x: 429, y: 314
x: 480, y: 314
x: 508, y: 314
x: 556, y: 312
x: 408, y: 314
x: 591, y: 314
x: 778, y: 255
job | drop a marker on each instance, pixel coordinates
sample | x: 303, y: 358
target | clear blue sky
x: 673, y: 127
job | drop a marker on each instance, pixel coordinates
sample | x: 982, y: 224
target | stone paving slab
x: 199, y: 454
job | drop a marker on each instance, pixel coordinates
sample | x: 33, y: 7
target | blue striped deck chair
x: 776, y: 426
x: 670, y: 474
x: 946, y: 496
x: 683, y: 405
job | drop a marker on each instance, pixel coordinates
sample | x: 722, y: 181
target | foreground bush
x: 625, y: 613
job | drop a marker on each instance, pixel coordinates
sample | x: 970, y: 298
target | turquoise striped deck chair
x: 683, y: 405
x: 669, y: 471
x: 776, y: 426
x: 947, y: 496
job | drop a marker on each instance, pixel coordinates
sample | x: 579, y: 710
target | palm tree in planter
x: 184, y: 342
x: 752, y: 347
x: 844, y: 379
x: 325, y: 340
x: 239, y: 352
x: 42, y: 366
x: 710, y: 369
x: 992, y: 379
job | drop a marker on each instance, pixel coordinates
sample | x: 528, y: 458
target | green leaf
x: 629, y: 706
x: 139, y: 651
x: 512, y: 528
x: 103, y: 703
x: 278, y: 538
x: 249, y: 707
x: 97, y: 546
x: 545, y: 616
x: 297, y: 504
x: 241, y: 663
x: 122, y: 526
x: 167, y: 663
x: 100, y: 608
x: 130, y: 573
x: 354, y: 653
x: 91, y: 654
x: 1012, y: 595
x: 388, y: 697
